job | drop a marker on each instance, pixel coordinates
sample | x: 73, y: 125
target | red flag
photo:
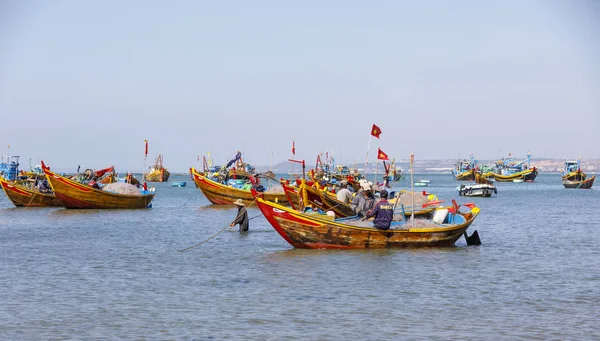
x: 375, y: 131
x: 412, y: 157
x: 381, y: 155
x: 294, y: 147
x: 146, y: 150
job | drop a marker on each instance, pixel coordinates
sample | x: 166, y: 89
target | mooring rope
x: 225, y: 228
x: 190, y: 198
x: 29, y: 203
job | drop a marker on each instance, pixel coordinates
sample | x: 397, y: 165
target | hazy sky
x: 85, y: 82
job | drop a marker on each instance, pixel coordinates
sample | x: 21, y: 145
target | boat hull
x: 161, y: 175
x: 466, y: 176
x: 312, y: 232
x: 574, y: 176
x: 527, y: 175
x: 481, y: 190
x: 220, y: 194
x: 22, y: 196
x: 72, y: 194
x: 585, y: 184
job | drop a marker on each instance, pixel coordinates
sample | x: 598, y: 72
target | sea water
x: 117, y: 274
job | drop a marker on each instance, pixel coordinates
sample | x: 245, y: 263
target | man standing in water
x: 242, y: 216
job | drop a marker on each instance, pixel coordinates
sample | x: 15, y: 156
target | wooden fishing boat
x: 327, y: 201
x: 72, y: 194
x: 220, y: 194
x: 572, y: 171
x: 291, y: 194
x: 157, y: 173
x: 130, y: 179
x: 508, y: 170
x: 314, y: 231
x: 465, y: 170
x: 528, y: 175
x: 583, y: 184
x: 23, y: 196
x: 480, y: 179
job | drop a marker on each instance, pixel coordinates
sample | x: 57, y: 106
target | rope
x: 29, y: 203
x: 190, y: 198
x: 225, y: 228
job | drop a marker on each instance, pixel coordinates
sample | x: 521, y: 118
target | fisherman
x: 383, y: 212
x: 93, y: 183
x: 242, y: 216
x: 364, y: 200
x: 43, y: 186
x: 344, y: 195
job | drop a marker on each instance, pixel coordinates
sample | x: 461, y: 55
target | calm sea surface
x: 116, y: 274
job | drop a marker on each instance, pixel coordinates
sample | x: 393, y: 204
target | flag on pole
x: 381, y: 155
x: 293, y: 147
x: 146, y: 149
x: 412, y: 157
x: 375, y: 131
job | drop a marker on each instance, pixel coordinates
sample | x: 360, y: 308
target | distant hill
x: 440, y: 166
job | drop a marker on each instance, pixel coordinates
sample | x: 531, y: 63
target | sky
x: 85, y: 83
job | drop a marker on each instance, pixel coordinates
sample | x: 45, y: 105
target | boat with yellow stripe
x: 222, y: 194
x: 317, y: 231
x: 572, y: 171
x: 24, y: 196
x: 72, y: 194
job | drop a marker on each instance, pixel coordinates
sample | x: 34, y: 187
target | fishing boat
x: 72, y: 194
x: 395, y: 173
x: 178, y: 184
x: 477, y: 190
x: 422, y: 183
x: 132, y: 180
x: 465, y: 170
x: 24, y: 196
x: 224, y: 194
x: 316, y: 231
x: 480, y: 179
x: 583, y: 184
x: 101, y: 176
x: 572, y: 171
x: 157, y: 173
x: 9, y: 167
x: 291, y: 193
x: 508, y: 170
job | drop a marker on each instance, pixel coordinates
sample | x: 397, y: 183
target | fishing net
x: 406, y: 199
x: 122, y: 188
x: 275, y: 189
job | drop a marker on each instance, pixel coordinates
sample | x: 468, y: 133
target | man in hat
x: 344, y: 195
x: 383, y: 212
x: 242, y: 216
x: 364, y: 200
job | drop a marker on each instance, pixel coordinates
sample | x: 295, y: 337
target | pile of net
x: 275, y: 189
x: 406, y: 199
x: 122, y: 188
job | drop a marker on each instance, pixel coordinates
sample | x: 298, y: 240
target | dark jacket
x: 383, y: 213
x: 242, y: 219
